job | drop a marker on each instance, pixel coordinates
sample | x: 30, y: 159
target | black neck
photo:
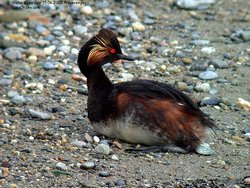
x: 99, y: 85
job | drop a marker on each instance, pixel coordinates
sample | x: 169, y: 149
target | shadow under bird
x: 141, y: 111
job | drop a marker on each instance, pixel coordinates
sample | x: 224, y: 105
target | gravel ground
x: 46, y: 139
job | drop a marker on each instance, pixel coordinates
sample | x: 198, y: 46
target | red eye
x: 112, y: 51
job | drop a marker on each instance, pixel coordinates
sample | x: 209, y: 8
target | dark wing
x: 149, y: 89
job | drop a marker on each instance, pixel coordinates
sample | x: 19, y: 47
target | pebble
x: 243, y: 104
x: 204, y: 149
x: 38, y: 114
x: 49, y: 50
x: 96, y: 139
x: 88, y: 138
x: 32, y: 59
x: 65, y: 49
x: 246, y: 130
x: 138, y: 26
x: 182, y: 86
x: 114, y: 157
x: 80, y: 30
x: 61, y: 166
x: 42, y: 30
x: 194, y: 4
x: 210, y: 101
x: 48, y: 66
x: 208, y: 75
x: 5, y: 81
x: 18, y: 99
x: 13, y: 53
x: 87, y: 10
x: 245, y: 35
x: 121, y: 182
x: 187, y: 60
x: 218, y: 63
x: 208, y: 50
x: 203, y: 87
x: 200, y: 42
x: 247, y: 180
x: 13, y: 185
x: 104, y: 174
x: 77, y: 77
x: 36, y: 52
x: 83, y: 90
x: 79, y: 143
x: 102, y: 149
x: 87, y: 165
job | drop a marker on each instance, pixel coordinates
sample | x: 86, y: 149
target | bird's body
x: 140, y: 111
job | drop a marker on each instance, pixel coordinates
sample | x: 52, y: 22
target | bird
x: 141, y: 112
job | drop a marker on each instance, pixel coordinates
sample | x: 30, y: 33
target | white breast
x: 124, y: 130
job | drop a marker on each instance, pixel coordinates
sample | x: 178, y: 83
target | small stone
x: 102, y: 149
x: 36, y: 52
x: 78, y: 143
x: 238, y: 139
x: 163, y: 67
x: 32, y: 59
x: 187, y: 60
x: 246, y: 130
x: 42, y: 30
x: 203, y: 87
x: 49, y: 50
x: 121, y: 182
x: 208, y: 50
x: 243, y: 104
x: 204, y: 149
x: 200, y: 42
x: 208, y: 75
x: 65, y: 49
x: 138, y: 26
x: 49, y: 66
x: 245, y: 35
x: 247, y: 180
x: 218, y: 63
x: 87, y: 10
x: 87, y: 165
x: 38, y: 114
x: 104, y: 174
x: 77, y: 77
x: 194, y: 4
x: 13, y: 53
x: 80, y: 30
x: 18, y: 99
x: 83, y: 90
x: 5, y: 81
x: 12, y: 93
x: 182, y: 86
x: 61, y: 166
x: 96, y: 139
x: 88, y: 138
x: 114, y: 157
x: 12, y: 185
x: 210, y: 101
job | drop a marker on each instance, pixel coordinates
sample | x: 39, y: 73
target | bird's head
x: 101, y: 49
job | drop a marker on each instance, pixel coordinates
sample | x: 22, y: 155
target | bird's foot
x: 148, y: 149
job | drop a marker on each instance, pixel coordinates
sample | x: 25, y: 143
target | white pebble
x: 87, y: 10
x: 243, y: 104
x: 61, y: 166
x: 96, y: 139
x: 31, y: 138
x: 32, y: 59
x: 114, y: 157
x: 207, y: 50
x: 138, y: 26
x: 102, y: 149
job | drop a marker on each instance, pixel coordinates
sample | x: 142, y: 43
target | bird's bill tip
x: 125, y: 57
